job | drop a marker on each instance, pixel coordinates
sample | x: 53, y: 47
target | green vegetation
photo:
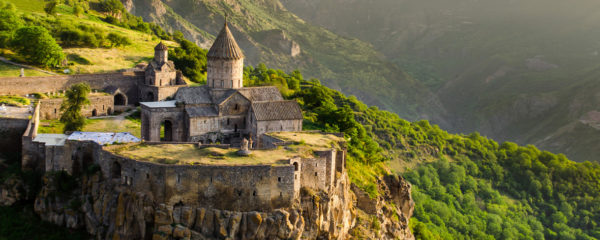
x: 96, y: 125
x: 78, y: 30
x: 76, y: 99
x: 16, y: 101
x: 37, y: 45
x: 465, y: 186
x: 189, y: 59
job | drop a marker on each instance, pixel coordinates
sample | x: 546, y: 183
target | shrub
x: 117, y: 40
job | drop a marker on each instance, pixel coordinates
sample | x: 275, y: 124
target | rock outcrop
x: 389, y: 212
x: 107, y: 209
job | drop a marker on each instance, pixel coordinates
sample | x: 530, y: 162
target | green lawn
x: 7, y: 70
x: 96, y: 125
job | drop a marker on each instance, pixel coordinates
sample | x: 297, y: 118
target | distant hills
x: 526, y: 71
x: 269, y: 33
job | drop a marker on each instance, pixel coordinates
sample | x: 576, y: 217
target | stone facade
x: 223, y: 110
x: 100, y: 105
x: 157, y: 81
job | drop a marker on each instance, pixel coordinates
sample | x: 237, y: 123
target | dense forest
x: 464, y: 186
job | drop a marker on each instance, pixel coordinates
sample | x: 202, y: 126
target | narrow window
x: 221, y: 83
x: 55, y: 111
x: 237, y: 106
x: 280, y: 194
x: 147, y: 176
x: 279, y: 179
x: 254, y: 193
x: 295, y: 176
x: 178, y: 178
x: 315, y: 174
x: 231, y: 83
x: 211, y: 179
x: 228, y: 121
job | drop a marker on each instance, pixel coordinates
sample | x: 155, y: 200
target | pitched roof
x: 225, y: 46
x: 193, y: 95
x: 161, y: 46
x: 277, y: 110
x: 201, y: 112
x: 260, y: 94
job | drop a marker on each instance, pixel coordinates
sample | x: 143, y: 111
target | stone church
x: 223, y: 110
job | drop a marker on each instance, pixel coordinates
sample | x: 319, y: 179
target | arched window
x: 296, y: 166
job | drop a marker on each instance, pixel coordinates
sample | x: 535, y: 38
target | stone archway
x: 120, y: 99
x: 166, y: 129
x: 94, y: 113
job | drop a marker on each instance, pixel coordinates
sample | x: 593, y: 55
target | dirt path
x: 4, y: 60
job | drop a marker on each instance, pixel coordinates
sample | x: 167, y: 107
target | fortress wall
x: 236, y: 188
x: 314, y: 173
x: 11, y: 130
x: 30, y: 156
x: 126, y: 81
x: 329, y: 161
x: 50, y: 108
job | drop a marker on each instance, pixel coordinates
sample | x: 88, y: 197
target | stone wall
x: 152, y: 118
x: 103, y: 105
x: 263, y: 127
x: 236, y: 188
x: 30, y: 156
x: 127, y: 82
x: 223, y: 73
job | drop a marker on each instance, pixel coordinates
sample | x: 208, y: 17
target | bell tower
x: 225, y: 62
x: 161, y: 53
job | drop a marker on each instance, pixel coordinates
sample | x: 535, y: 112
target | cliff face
x: 108, y: 210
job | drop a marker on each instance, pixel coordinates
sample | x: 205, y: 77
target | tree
x: 37, y: 45
x: 71, y: 107
x: 9, y: 20
x: 50, y: 7
x: 113, y: 7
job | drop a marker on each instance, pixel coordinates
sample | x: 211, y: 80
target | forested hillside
x: 525, y: 71
x: 465, y: 186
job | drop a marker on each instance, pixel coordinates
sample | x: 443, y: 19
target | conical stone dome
x: 225, y: 46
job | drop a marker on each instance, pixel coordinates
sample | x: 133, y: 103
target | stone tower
x: 161, y: 53
x: 225, y: 63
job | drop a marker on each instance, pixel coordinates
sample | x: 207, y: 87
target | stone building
x: 161, y: 79
x: 223, y: 110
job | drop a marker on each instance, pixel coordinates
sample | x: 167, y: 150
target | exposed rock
x: 108, y: 210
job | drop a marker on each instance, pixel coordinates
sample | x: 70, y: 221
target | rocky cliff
x: 107, y: 209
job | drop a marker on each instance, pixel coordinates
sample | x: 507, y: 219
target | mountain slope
x: 513, y: 70
x: 268, y: 33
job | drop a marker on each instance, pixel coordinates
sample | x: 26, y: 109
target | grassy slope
x: 102, y: 59
x: 8, y: 70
